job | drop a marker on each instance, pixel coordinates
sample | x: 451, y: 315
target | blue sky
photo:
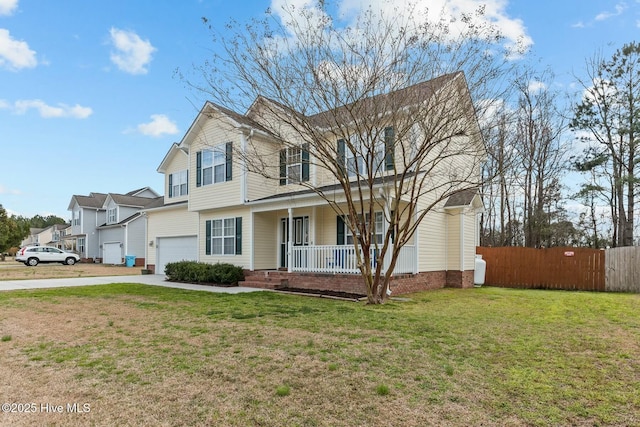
x: 89, y: 100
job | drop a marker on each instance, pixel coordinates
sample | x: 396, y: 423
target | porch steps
x: 267, y: 279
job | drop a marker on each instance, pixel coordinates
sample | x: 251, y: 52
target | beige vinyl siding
x: 242, y: 260
x: 325, y: 226
x: 453, y: 239
x: 179, y: 162
x: 262, y: 159
x: 220, y: 194
x: 470, y: 233
x: 169, y: 223
x: 433, y: 241
x: 461, y: 241
x: 265, y: 240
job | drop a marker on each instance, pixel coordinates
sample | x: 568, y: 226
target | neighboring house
x: 33, y: 238
x: 217, y: 210
x: 108, y: 227
x: 53, y: 236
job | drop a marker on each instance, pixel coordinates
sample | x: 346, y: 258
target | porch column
x: 290, y: 241
x: 387, y: 214
x: 253, y: 233
x: 416, y: 244
x: 461, y: 239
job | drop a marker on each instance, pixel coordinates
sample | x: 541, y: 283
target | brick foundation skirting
x: 352, y: 283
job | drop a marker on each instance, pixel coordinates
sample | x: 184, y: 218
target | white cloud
x: 7, y: 7
x: 159, y: 125
x: 47, y: 111
x: 619, y: 9
x: 536, y: 86
x: 495, y: 15
x: 15, y: 54
x: 132, y: 54
x: 5, y: 190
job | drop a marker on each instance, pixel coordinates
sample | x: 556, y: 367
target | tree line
x: 14, y: 229
x: 530, y: 158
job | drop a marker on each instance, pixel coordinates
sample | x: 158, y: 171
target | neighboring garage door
x: 172, y: 249
x: 111, y: 253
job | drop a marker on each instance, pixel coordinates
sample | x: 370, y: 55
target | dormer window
x: 178, y: 184
x: 112, y: 215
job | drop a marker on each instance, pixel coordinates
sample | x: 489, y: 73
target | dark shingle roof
x: 463, y: 198
x: 384, y: 102
x: 94, y: 200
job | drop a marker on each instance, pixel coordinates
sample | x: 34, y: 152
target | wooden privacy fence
x: 553, y: 268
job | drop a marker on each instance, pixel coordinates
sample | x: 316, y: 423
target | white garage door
x: 172, y: 249
x: 111, y: 253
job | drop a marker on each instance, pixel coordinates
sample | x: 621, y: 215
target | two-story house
x: 218, y: 208
x: 107, y: 227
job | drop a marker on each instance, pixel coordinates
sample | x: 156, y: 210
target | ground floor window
x: 345, y: 236
x: 81, y: 245
x: 224, y: 236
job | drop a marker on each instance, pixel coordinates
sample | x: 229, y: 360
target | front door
x: 300, y: 236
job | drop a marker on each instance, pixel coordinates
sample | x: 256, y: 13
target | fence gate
x: 553, y: 268
x: 622, y: 268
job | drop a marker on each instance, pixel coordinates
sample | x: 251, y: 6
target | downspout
x: 243, y: 169
x: 446, y: 241
x: 252, y: 228
x: 126, y: 239
x: 146, y: 236
x: 416, y: 243
x: 244, y: 191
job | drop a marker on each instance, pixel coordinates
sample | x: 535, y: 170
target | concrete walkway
x: 146, y: 279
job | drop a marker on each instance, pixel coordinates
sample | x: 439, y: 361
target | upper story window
x: 112, y: 215
x: 178, y: 184
x: 294, y: 165
x: 355, y: 158
x: 75, y: 220
x: 214, y: 166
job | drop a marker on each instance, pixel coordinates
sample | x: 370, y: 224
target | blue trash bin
x: 130, y: 260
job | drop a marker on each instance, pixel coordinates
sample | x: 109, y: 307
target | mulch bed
x: 323, y: 293
x: 219, y: 285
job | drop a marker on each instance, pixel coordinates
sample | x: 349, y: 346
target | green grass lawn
x: 142, y: 355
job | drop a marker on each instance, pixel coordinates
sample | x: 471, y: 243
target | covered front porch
x: 314, y: 239
x: 342, y: 259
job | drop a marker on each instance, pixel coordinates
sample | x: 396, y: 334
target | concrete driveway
x: 147, y: 279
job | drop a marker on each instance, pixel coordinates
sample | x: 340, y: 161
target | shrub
x: 201, y: 272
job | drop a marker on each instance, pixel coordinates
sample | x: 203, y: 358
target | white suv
x: 33, y: 255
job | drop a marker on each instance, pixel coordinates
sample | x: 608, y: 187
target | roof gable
x: 175, y: 150
x: 93, y: 201
x: 233, y: 119
x: 130, y: 201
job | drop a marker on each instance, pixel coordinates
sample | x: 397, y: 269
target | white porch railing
x: 342, y: 259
